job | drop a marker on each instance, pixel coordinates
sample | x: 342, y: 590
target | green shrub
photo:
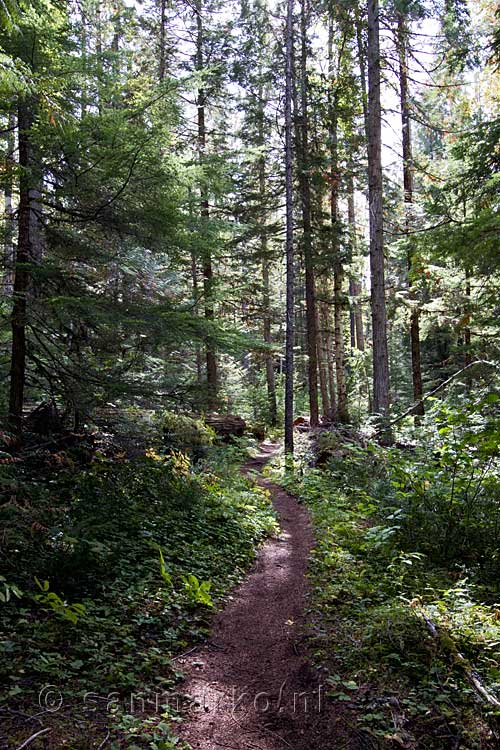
x: 107, y: 615
x: 394, y: 622
x: 186, y: 434
x: 445, y: 497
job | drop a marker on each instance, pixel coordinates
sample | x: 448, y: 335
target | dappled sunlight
x: 249, y: 374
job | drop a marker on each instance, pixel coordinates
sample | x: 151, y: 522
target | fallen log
x: 471, y: 674
x: 226, y: 425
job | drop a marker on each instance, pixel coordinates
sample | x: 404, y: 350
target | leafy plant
x: 400, y: 636
x: 90, y: 531
x: 185, y: 434
x: 8, y: 589
x: 50, y: 599
x: 197, y: 592
x: 163, y: 570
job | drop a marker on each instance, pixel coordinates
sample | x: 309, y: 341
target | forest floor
x: 251, y: 685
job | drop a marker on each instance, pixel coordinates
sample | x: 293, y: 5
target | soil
x: 252, y: 685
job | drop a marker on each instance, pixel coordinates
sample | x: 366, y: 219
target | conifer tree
x: 289, y: 238
x: 377, y: 261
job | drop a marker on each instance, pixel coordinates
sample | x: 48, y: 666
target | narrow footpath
x: 251, y: 685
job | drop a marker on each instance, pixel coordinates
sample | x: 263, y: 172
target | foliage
x: 184, y: 433
x: 147, y: 550
x: 197, y: 592
x: 381, y: 573
x: 8, y: 589
x: 50, y: 600
x: 445, y: 492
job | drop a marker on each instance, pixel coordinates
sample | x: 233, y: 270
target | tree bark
x: 330, y: 349
x: 305, y: 194
x: 8, y: 256
x: 362, y: 69
x: 99, y: 55
x: 338, y: 269
x: 338, y: 279
x: 375, y: 200
x: 266, y: 293
x: 162, y: 61
x: 467, y: 331
x: 270, y: 379
x: 357, y: 333
x: 416, y: 367
x: 208, y: 277
x: 352, y: 324
x: 22, y: 277
x: 322, y: 365
x: 194, y: 281
x: 289, y: 240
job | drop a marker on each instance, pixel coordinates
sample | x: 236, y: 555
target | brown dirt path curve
x: 251, y: 686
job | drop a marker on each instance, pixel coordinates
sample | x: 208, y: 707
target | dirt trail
x: 251, y: 685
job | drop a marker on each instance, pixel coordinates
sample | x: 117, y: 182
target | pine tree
x: 304, y: 167
x: 289, y: 241
x: 377, y: 262
x: 408, y: 200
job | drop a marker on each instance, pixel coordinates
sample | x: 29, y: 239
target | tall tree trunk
x: 467, y: 331
x: 208, y: 278
x: 322, y: 364
x: 289, y: 248
x: 22, y: 276
x: 317, y: 221
x: 194, y: 281
x: 354, y: 286
x: 305, y: 195
x: 196, y: 297
x: 375, y: 200
x: 338, y: 279
x: 362, y: 68
x: 36, y: 225
x: 8, y: 256
x: 338, y: 270
x: 360, y: 336
x: 163, y: 22
x: 352, y: 322
x: 99, y: 56
x: 116, y: 18
x: 270, y: 379
x: 266, y: 292
x: 84, y: 56
x: 358, y: 318
x: 330, y: 353
x: 416, y: 367
x: 362, y: 53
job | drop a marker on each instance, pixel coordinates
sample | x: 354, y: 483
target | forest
x: 249, y: 374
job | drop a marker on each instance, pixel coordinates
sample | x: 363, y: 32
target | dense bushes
x: 406, y: 557
x: 438, y: 494
x: 186, y: 434
x: 129, y: 556
x: 446, y: 498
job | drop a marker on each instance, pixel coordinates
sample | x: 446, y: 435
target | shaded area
x: 251, y: 685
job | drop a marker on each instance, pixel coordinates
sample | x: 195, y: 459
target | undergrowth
x: 108, y: 572
x: 403, y: 613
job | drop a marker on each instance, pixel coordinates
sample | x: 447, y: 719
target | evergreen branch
x: 442, y: 385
